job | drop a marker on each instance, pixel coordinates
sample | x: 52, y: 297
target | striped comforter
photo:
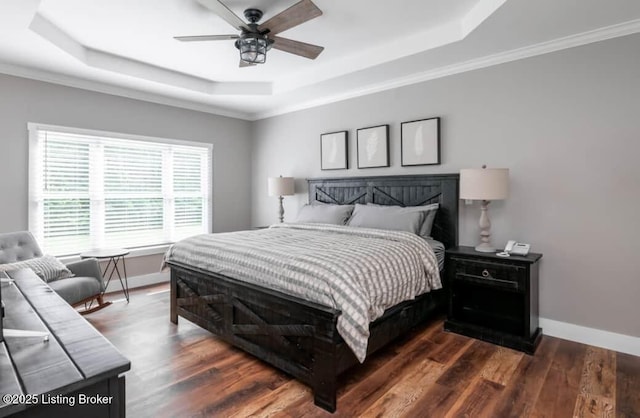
x: 359, y: 271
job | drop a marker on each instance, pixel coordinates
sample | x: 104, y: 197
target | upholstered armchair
x: 78, y: 283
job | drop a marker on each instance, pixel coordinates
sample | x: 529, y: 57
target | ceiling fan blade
x: 297, y: 47
x: 246, y: 64
x: 293, y: 16
x: 223, y: 11
x: 199, y: 38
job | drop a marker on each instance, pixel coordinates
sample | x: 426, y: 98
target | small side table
x: 114, y: 256
x: 494, y: 299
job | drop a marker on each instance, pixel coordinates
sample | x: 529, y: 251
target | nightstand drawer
x: 490, y: 274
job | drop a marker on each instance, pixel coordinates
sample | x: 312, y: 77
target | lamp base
x: 485, y: 230
x: 281, y: 210
x: 485, y: 248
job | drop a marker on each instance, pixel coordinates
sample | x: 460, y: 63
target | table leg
x: 125, y: 284
x: 113, y: 265
x: 105, y: 272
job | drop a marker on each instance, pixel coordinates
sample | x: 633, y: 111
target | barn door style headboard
x: 414, y: 190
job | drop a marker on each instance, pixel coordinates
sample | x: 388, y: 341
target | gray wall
x: 566, y: 124
x: 23, y: 101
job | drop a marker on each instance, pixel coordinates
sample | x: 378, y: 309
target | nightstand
x: 494, y: 299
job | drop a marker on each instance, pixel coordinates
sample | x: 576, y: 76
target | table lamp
x: 484, y: 184
x: 281, y: 186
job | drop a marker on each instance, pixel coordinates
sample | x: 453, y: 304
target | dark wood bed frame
x: 300, y: 337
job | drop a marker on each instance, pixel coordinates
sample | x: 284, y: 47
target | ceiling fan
x: 255, y: 39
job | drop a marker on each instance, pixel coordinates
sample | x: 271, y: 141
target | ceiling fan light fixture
x: 253, y: 48
x: 256, y: 39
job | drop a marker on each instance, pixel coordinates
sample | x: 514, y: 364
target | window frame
x: 33, y: 130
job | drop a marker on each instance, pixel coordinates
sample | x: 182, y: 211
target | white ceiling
x: 127, y: 48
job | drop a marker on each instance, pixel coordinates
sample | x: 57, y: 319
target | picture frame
x: 334, y: 151
x: 420, y: 142
x: 373, y: 146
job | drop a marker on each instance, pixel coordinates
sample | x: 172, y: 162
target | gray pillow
x: 47, y: 267
x: 324, y: 214
x: 430, y: 215
x: 386, y: 217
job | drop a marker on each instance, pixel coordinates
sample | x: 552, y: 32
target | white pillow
x: 47, y: 267
x: 324, y: 214
x: 386, y: 217
x: 430, y: 215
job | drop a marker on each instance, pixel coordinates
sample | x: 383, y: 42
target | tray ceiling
x: 124, y: 47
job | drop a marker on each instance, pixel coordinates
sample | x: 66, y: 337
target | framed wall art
x: 420, y: 142
x: 373, y: 146
x: 334, y: 151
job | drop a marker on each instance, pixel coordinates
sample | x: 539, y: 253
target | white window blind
x: 96, y: 190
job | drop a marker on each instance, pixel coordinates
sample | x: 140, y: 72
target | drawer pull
x: 490, y: 281
x: 485, y: 273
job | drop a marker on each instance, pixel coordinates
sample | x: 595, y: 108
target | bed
x: 298, y: 336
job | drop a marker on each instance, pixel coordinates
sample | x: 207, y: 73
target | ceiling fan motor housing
x: 253, y: 15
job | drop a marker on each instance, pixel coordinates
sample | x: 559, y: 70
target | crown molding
x: 597, y: 35
x: 571, y: 41
x: 105, y: 88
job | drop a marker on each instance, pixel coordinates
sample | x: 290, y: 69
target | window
x: 92, y: 189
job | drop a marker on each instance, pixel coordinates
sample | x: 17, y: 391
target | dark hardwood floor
x: 183, y: 371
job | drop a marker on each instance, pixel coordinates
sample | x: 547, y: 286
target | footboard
x: 294, y: 335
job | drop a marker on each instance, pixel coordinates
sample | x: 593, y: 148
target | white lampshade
x: 484, y: 183
x: 281, y: 186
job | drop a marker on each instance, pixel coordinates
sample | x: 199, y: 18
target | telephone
x: 515, y: 248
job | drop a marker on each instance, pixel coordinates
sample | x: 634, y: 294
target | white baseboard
x: 138, y: 281
x: 592, y: 336
x: 597, y: 337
